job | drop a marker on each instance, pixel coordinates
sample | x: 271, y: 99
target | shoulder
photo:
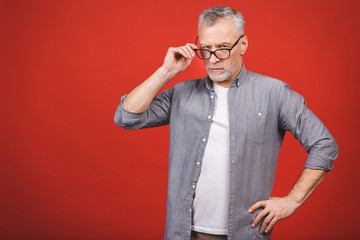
x: 263, y: 81
x: 190, y: 85
x: 189, y: 90
x: 264, y: 84
x: 268, y: 86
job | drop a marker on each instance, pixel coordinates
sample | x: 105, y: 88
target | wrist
x: 296, y: 200
x: 167, y: 73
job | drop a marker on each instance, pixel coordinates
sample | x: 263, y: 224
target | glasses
x: 221, y: 54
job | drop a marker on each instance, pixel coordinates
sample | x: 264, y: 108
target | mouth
x: 215, y: 70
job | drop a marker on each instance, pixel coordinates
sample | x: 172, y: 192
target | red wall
x: 68, y: 172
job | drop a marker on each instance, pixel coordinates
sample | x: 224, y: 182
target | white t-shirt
x: 210, y: 208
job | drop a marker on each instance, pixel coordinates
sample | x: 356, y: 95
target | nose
x: 213, y: 59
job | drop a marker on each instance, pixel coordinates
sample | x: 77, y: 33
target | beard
x: 226, y: 75
x: 222, y: 77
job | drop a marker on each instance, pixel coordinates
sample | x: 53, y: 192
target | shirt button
x: 193, y: 186
x: 260, y: 114
x: 211, y: 96
x: 198, y: 163
x: 204, y: 139
x: 190, y: 210
x: 209, y: 117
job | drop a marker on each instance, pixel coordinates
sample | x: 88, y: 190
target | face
x: 222, y: 35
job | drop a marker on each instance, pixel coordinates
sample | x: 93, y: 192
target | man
x: 226, y: 131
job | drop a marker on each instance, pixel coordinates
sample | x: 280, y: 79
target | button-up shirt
x: 261, y: 110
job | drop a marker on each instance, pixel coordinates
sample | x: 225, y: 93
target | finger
x: 182, y: 52
x: 260, y: 216
x: 192, y: 52
x: 266, y: 222
x: 257, y: 205
x: 193, y: 46
x: 188, y: 51
x: 272, y: 224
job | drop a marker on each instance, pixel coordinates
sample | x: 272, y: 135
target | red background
x: 68, y: 172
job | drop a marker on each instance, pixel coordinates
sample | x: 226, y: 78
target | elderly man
x: 226, y: 131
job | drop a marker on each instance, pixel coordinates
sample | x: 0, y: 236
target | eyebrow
x: 216, y: 45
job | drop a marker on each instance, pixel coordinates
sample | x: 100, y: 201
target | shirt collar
x: 236, y: 82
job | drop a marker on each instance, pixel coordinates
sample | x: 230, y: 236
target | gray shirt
x: 261, y: 110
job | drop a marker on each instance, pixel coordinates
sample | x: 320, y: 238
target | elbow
x: 118, y: 119
x: 322, y: 155
x: 336, y: 149
x: 126, y: 122
x: 124, y: 118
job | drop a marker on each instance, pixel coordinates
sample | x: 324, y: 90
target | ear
x: 244, y: 45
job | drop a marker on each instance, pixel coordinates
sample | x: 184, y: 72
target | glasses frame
x: 214, y: 52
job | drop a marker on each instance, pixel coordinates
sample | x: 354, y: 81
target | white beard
x: 223, y: 76
x: 220, y: 77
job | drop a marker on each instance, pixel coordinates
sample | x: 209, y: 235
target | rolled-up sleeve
x: 307, y: 128
x: 157, y: 114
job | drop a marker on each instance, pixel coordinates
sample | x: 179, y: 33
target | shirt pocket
x: 257, y: 131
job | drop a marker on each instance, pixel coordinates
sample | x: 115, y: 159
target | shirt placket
x: 203, y: 139
x: 232, y: 134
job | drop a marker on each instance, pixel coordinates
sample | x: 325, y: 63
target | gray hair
x: 210, y: 15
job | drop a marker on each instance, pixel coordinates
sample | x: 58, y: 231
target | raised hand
x: 177, y: 59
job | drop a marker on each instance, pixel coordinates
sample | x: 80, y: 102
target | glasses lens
x: 204, y: 54
x: 222, y: 54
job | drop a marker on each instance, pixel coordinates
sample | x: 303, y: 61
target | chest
x: 250, y: 113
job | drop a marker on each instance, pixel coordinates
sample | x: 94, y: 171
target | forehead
x: 222, y: 30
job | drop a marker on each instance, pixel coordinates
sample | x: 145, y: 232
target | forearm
x: 306, y: 185
x: 139, y: 99
x: 176, y: 60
